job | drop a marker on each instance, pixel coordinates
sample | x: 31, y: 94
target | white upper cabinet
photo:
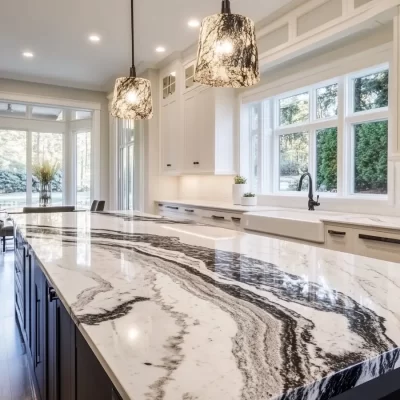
x: 209, y: 131
x: 170, y: 121
x: 197, y: 127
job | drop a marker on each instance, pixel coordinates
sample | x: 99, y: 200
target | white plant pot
x: 238, y: 191
x: 249, y: 201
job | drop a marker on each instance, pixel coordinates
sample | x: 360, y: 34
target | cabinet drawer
x: 339, y: 238
x: 381, y: 245
x: 222, y: 219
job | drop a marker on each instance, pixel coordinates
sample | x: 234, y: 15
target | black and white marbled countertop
x: 176, y: 310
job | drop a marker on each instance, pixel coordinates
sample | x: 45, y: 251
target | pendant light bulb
x: 227, y: 55
x: 132, y: 96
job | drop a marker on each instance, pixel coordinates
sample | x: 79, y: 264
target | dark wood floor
x: 15, y: 383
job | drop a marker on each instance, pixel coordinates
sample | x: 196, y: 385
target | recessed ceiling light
x: 160, y: 49
x: 27, y: 54
x: 194, y: 23
x: 94, y: 38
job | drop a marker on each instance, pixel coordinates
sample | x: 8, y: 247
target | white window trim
x: 345, y: 120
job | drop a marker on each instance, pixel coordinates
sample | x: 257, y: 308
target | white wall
x: 38, y: 89
x: 196, y: 187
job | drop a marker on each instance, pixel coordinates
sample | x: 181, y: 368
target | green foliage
x: 371, y: 91
x: 294, y: 109
x: 327, y: 160
x: 249, y: 195
x: 371, y: 144
x: 240, y: 180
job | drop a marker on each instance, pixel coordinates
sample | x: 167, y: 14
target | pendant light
x: 132, y: 95
x: 227, y: 54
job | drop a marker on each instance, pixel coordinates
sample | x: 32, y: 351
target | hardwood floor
x: 15, y: 382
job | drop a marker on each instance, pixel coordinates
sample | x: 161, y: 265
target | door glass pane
x: 124, y: 179
x: 83, y: 169
x: 371, y: 157
x: 255, y: 129
x: 47, y: 113
x: 327, y: 101
x: 48, y: 147
x: 294, y: 109
x: 371, y: 91
x: 12, y: 168
x: 12, y: 110
x: 293, y: 160
x: 327, y: 160
x: 130, y: 178
x: 80, y: 114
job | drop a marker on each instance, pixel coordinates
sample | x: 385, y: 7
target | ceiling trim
x: 48, y: 101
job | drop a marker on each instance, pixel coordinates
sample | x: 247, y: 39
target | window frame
x: 344, y: 121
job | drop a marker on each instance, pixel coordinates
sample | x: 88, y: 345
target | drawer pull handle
x: 336, y: 233
x: 187, y: 210
x: 173, y: 208
x: 196, y: 163
x: 169, y: 165
x: 161, y: 205
x: 379, y: 239
x: 217, y: 217
x: 235, y: 219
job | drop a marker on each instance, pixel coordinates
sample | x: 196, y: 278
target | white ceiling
x: 57, y: 33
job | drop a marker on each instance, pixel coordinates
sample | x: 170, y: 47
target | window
x: 294, y: 109
x: 83, y: 169
x: 48, y: 147
x: 169, y: 85
x: 371, y: 157
x: 50, y: 134
x: 312, y: 128
x: 127, y: 165
x: 12, y: 110
x: 293, y: 159
x: 47, y: 113
x: 12, y: 168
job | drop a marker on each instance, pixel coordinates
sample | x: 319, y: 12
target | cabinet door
x: 39, y: 330
x: 206, y: 131
x: 61, y: 349
x: 191, y: 127
x: 28, y: 297
x: 91, y: 380
x: 170, y: 138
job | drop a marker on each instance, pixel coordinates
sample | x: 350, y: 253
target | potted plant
x: 239, y: 188
x: 249, y: 199
x: 45, y: 173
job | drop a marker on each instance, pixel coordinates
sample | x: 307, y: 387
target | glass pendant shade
x: 227, y: 54
x: 132, y: 99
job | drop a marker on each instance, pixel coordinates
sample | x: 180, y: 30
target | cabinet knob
x: 169, y: 165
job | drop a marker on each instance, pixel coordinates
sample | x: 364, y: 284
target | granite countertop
x: 177, y: 310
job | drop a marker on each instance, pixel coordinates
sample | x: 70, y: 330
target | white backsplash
x: 217, y: 188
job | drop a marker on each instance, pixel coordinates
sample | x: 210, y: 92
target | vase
x: 45, y: 194
x: 238, y: 190
x: 249, y: 201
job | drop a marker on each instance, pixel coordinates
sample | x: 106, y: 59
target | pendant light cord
x: 133, y: 69
x: 226, y: 7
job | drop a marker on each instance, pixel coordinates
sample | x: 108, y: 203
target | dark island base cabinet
x: 63, y: 365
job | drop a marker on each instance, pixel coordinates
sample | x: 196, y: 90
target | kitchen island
x: 178, y: 310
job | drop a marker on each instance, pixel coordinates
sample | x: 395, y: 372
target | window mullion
x: 29, y: 168
x: 342, y: 159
